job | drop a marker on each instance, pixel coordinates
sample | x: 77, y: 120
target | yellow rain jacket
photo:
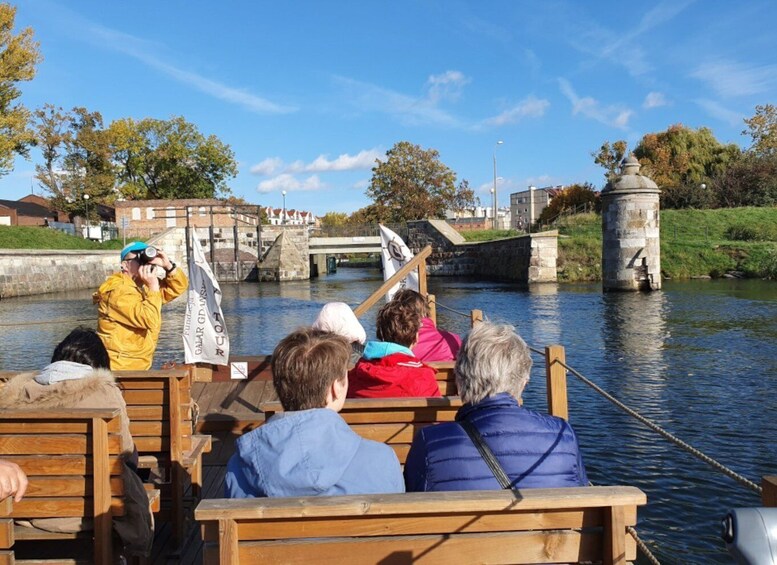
x: 130, y: 317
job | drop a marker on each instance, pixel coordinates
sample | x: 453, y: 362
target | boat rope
x: 674, y: 439
x: 65, y: 321
x: 642, y: 547
x: 463, y: 314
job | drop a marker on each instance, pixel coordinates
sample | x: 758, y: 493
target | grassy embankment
x: 694, y: 243
x: 21, y: 237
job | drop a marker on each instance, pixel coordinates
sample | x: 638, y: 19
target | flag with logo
x: 395, y: 255
x: 205, y: 338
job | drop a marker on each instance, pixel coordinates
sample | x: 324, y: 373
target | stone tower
x: 631, y: 250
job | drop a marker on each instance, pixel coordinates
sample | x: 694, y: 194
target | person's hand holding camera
x: 163, y: 261
x: 147, y: 274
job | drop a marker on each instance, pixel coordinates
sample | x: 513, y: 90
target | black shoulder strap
x: 486, y: 454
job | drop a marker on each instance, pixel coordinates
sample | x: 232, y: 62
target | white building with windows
x: 526, y: 206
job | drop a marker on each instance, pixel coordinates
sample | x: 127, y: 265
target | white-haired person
x: 532, y: 450
x: 338, y: 318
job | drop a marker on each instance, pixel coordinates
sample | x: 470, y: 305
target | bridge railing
x: 357, y: 230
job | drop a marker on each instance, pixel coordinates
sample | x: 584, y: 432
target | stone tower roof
x: 630, y: 180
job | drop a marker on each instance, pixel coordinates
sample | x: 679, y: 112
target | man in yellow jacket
x: 129, y: 305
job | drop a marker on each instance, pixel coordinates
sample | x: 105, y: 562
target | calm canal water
x: 699, y: 358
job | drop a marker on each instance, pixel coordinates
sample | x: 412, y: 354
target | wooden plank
x: 145, y: 397
x: 6, y: 533
x: 556, y: 377
x: 388, y: 433
x: 769, y: 493
x: 176, y: 455
x: 149, y: 428
x: 423, y: 503
x: 66, y: 444
x: 228, y: 543
x: 475, y: 522
x: 101, y: 503
x: 62, y: 507
x: 163, y: 374
x: 67, y: 486
x: 154, y: 413
x: 143, y: 385
x: 43, y: 427
x: 614, y: 550
x: 407, y: 416
x: 60, y: 464
x: 518, y: 547
x: 59, y: 414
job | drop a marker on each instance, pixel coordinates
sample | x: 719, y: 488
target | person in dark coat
x: 534, y: 450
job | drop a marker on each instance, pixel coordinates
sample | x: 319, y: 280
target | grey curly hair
x: 492, y: 359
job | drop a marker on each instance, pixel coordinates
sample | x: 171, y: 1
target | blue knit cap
x: 134, y: 247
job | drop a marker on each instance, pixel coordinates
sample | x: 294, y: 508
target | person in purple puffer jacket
x: 534, y: 450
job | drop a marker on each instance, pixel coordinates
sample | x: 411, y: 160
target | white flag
x: 395, y: 255
x: 205, y: 338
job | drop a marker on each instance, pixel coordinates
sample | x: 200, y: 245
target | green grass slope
x: 21, y: 237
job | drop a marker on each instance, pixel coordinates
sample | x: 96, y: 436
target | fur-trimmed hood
x: 23, y: 392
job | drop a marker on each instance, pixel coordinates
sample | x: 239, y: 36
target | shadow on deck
x: 226, y: 410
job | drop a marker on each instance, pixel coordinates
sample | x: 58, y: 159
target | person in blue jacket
x: 309, y: 450
x: 534, y: 450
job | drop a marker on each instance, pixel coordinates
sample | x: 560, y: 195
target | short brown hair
x: 398, y: 322
x: 414, y: 299
x: 305, y: 364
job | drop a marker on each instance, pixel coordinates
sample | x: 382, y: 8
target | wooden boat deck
x: 225, y: 408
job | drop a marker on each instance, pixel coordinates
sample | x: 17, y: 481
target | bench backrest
x: 522, y: 526
x: 72, y: 460
x: 445, y: 378
x: 393, y: 421
x: 159, y: 407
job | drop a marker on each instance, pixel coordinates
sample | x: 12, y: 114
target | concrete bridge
x: 335, y: 245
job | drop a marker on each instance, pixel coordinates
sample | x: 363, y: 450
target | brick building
x: 32, y: 210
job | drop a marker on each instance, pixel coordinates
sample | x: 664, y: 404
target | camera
x: 147, y: 255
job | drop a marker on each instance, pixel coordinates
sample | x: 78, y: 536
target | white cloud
x: 614, y: 116
x: 290, y: 183
x: 144, y: 51
x: 361, y: 184
x: 529, y: 107
x: 729, y: 78
x: 721, y: 113
x: 364, y: 160
x: 407, y: 109
x: 654, y: 100
x: 622, y: 47
x: 447, y: 85
x: 268, y: 166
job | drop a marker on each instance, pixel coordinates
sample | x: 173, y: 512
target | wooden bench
x: 72, y: 459
x: 445, y: 377
x: 6, y: 532
x: 160, y: 407
x: 393, y: 421
x: 523, y: 526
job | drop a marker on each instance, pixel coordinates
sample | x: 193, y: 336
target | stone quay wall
x: 529, y: 258
x: 25, y: 272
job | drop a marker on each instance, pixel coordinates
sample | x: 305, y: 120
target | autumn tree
x: 680, y: 160
x: 411, y: 184
x: 750, y: 181
x: 164, y: 159
x: 762, y: 128
x: 334, y: 219
x: 610, y: 156
x: 19, y: 56
x: 465, y: 198
x: 76, y: 158
x: 573, y: 199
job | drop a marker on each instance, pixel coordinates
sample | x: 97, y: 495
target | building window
x: 149, y: 213
x: 136, y: 213
x: 202, y: 210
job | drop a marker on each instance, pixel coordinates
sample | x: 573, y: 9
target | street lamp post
x: 493, y: 198
x: 283, y: 220
x: 498, y: 143
x: 86, y: 202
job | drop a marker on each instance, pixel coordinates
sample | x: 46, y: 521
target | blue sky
x: 309, y: 94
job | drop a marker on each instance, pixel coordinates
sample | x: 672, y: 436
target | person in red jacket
x: 388, y: 368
